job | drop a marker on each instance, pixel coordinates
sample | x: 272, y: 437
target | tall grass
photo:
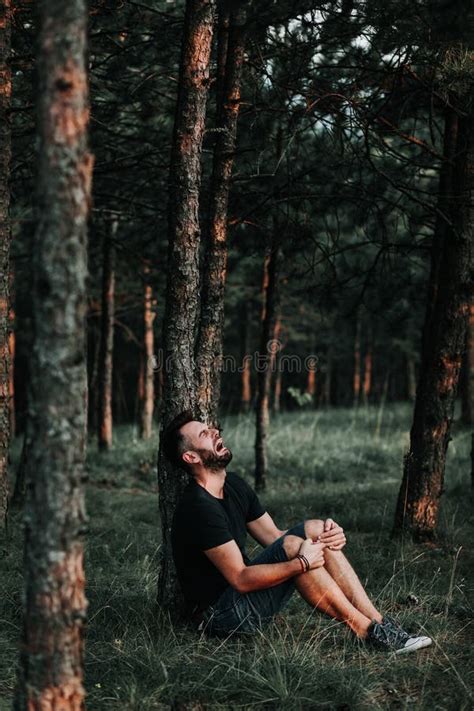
x: 322, y: 464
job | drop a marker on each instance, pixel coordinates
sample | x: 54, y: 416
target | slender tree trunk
x: 467, y: 391
x: 5, y: 239
x: 106, y: 352
x: 472, y: 460
x: 265, y: 359
x: 275, y: 364
x: 93, y: 409
x: 311, y: 383
x: 357, y: 361
x: 51, y: 652
x: 368, y: 367
x: 231, y: 46
x: 328, y: 378
x: 182, y: 289
x: 19, y: 492
x: 450, y: 295
x: 148, y: 371
x: 246, y: 388
x: 411, y: 378
x: 11, y: 351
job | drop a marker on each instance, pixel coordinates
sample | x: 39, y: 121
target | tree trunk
x: 148, y: 402
x: 444, y: 333
x: 467, y: 374
x: 311, y: 383
x: 265, y: 359
x: 182, y: 289
x: 107, y: 341
x: 19, y: 492
x: 231, y: 45
x: 368, y: 366
x: 328, y: 379
x: 472, y: 460
x: 5, y: 239
x: 245, y: 366
x: 411, y: 378
x: 275, y: 364
x: 356, y: 379
x: 11, y: 352
x: 51, y: 653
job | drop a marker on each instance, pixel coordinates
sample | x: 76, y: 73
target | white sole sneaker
x: 415, y: 643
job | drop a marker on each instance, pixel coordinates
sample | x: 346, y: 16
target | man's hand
x: 333, y: 536
x: 313, y: 552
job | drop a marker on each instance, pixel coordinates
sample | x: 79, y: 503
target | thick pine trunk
x: 450, y: 295
x: 51, y: 652
x: 264, y: 361
x: 106, y: 352
x: 5, y: 239
x: 231, y: 45
x: 148, y: 373
x: 182, y: 289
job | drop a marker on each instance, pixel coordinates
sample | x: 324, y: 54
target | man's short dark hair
x: 173, y: 443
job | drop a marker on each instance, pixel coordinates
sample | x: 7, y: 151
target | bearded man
x: 226, y: 591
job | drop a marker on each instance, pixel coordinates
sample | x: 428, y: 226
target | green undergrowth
x: 345, y: 464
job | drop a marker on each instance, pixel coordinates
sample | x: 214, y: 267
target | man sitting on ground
x: 226, y: 590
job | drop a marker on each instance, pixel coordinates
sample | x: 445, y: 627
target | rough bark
x: 182, y: 289
x: 231, y: 46
x: 148, y: 373
x: 264, y: 361
x: 5, y: 239
x: 106, y: 352
x: 450, y: 295
x: 51, y: 652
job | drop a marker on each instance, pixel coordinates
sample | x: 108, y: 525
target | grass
x: 343, y: 463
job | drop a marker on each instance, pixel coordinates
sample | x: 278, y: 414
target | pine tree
x: 51, y: 652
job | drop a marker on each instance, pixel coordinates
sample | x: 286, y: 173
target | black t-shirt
x: 202, y: 521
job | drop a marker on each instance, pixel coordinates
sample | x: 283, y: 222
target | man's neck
x: 212, y: 481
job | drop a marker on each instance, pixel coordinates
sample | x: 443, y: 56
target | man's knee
x: 292, y: 545
x: 313, y: 528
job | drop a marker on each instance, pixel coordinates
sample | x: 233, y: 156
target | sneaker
x: 390, y: 636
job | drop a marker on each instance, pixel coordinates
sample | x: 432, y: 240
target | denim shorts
x: 247, y: 613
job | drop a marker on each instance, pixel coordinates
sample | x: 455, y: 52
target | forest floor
x: 345, y: 464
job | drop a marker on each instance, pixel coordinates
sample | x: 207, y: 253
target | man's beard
x: 214, y: 462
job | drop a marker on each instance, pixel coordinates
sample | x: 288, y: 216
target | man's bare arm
x: 264, y: 530
x: 246, y: 578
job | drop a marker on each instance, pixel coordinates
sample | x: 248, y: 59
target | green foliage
x: 323, y: 464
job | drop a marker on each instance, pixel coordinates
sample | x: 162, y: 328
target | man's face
x: 206, y: 446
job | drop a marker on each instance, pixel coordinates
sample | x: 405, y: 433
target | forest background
x: 300, y: 269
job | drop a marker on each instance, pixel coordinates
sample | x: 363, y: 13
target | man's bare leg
x: 321, y: 591
x: 344, y: 574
